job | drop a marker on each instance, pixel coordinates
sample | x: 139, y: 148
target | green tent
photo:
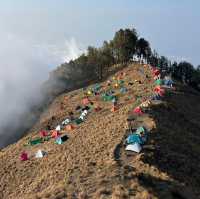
x: 36, y: 141
x: 108, y: 98
x: 78, y: 121
x: 159, y: 82
x: 121, y: 82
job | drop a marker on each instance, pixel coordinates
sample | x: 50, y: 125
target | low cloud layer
x: 24, y: 66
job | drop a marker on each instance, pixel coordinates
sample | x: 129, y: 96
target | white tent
x: 66, y: 122
x: 40, y: 154
x: 58, y: 128
x: 134, y: 147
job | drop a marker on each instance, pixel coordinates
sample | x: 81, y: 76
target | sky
x: 38, y: 35
x: 49, y: 25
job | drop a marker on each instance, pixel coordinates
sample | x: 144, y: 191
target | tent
x: 40, y: 154
x: 96, y: 87
x: 123, y: 90
x: 134, y: 138
x: 134, y: 147
x: 138, y: 110
x: 58, y: 128
x: 69, y: 127
x: 66, y: 122
x: 156, y: 72
x: 114, y: 108
x: 55, y: 134
x: 168, y: 82
x: 89, y: 92
x: 35, y: 141
x: 159, y: 82
x: 85, y: 101
x: 142, y: 132
x: 62, y: 139
x: 43, y: 133
x: 78, y: 121
x: 107, y: 97
x: 24, y: 156
x: 159, y: 90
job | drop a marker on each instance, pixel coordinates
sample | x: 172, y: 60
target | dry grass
x: 85, y: 165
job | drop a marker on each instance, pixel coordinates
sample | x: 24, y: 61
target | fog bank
x: 24, y: 66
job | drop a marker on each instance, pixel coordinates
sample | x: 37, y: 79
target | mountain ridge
x: 92, y: 163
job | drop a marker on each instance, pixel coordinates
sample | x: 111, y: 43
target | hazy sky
x: 171, y: 26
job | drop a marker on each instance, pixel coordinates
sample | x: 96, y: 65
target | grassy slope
x: 93, y: 163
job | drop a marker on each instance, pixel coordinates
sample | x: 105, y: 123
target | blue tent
x: 168, y: 82
x: 134, y: 138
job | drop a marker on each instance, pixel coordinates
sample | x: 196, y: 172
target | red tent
x: 156, y: 72
x: 159, y: 90
x: 43, y: 133
x: 24, y: 156
x: 138, y: 110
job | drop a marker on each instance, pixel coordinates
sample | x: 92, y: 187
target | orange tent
x: 69, y: 127
x: 55, y: 134
x: 85, y: 101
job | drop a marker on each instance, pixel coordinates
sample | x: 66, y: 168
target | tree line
x: 125, y: 45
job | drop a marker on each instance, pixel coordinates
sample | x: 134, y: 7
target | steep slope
x: 92, y: 163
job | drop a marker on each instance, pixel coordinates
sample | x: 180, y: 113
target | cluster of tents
x: 105, y: 93
x: 137, y: 137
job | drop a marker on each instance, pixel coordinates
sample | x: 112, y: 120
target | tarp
x: 134, y: 147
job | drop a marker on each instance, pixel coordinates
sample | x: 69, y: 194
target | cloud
x: 24, y: 66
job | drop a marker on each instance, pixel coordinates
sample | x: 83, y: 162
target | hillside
x: 92, y: 163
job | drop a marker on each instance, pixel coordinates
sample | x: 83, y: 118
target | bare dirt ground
x: 92, y: 163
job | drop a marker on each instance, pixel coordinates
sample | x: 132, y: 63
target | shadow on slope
x: 177, y: 143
